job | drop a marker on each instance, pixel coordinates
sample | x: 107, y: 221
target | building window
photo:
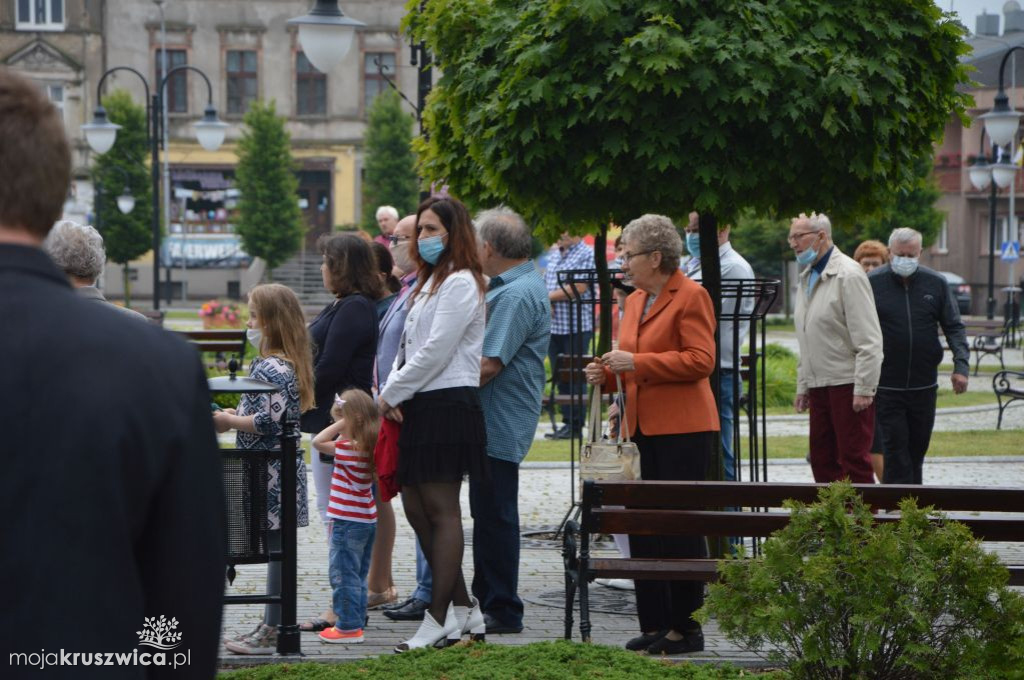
x: 242, y: 80
x: 177, y: 85
x: 310, y: 88
x: 40, y: 15
x: 376, y: 67
x: 942, y: 242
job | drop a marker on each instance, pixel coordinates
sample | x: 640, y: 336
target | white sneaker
x: 619, y: 583
x: 263, y: 641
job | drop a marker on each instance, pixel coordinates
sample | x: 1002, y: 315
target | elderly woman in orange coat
x: 666, y: 353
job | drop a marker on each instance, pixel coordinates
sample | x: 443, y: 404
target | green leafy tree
x: 762, y: 241
x: 390, y: 163
x: 270, y: 221
x: 583, y: 112
x: 912, y: 206
x: 837, y: 596
x: 125, y: 237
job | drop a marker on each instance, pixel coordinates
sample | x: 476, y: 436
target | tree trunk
x: 711, y: 278
x: 127, y: 284
x: 604, y: 343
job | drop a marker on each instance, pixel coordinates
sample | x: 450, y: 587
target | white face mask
x: 904, y: 266
x: 400, y: 253
x: 254, y: 335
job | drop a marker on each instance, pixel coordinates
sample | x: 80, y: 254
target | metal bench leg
x: 999, y: 422
x: 571, y: 574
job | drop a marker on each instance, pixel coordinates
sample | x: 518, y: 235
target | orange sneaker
x: 342, y: 637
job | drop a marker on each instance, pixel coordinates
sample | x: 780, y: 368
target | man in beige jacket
x: 840, y: 353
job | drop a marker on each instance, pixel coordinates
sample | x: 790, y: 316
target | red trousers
x: 840, y: 438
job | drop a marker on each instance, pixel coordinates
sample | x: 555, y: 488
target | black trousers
x: 494, y: 505
x: 662, y: 605
x: 906, y: 418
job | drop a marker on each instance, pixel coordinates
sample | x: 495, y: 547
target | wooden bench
x: 1009, y: 387
x: 695, y: 509
x: 989, y: 336
x: 562, y: 372
x: 223, y: 343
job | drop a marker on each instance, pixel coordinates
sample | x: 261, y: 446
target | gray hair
x: 387, y: 210
x: 816, y: 222
x: 904, y: 235
x: 655, y: 233
x: 506, y: 231
x: 77, y: 249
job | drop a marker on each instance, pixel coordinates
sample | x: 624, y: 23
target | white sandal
x: 430, y: 631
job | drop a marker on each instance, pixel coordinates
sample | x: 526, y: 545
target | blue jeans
x: 424, y: 577
x: 725, y: 419
x: 351, y: 546
x: 494, y: 504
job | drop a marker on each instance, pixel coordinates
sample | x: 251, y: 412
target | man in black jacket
x: 913, y: 302
x: 113, y: 531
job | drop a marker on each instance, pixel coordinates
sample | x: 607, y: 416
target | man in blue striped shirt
x: 511, y: 388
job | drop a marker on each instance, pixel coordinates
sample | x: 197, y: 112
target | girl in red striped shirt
x: 351, y: 509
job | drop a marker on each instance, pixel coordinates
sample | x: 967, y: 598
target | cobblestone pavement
x: 544, y: 494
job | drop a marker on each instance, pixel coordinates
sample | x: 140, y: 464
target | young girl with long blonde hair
x: 351, y: 508
x: 277, y: 328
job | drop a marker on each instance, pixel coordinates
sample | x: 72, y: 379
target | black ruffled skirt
x: 443, y: 437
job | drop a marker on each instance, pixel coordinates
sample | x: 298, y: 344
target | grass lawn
x: 973, y: 443
x: 537, y: 661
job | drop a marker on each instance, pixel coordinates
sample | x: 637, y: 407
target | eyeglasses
x: 793, y: 238
x: 626, y: 257
x: 395, y: 240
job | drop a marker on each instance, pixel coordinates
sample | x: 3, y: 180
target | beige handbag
x: 613, y: 459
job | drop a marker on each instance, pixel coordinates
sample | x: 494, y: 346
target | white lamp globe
x: 1003, y: 174
x: 100, y: 134
x: 125, y: 203
x: 325, y: 34
x: 980, y: 174
x: 210, y: 130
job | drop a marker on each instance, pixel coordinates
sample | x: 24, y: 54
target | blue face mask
x: 807, y: 257
x: 693, y: 243
x: 430, y: 249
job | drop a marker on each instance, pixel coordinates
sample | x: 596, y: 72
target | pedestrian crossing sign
x: 1011, y: 251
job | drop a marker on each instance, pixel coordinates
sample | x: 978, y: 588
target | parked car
x: 960, y: 290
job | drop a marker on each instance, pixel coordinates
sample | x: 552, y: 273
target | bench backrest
x: 694, y: 508
x: 566, y: 363
x: 226, y: 341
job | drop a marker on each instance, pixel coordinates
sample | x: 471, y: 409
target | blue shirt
x: 816, y: 269
x: 517, y: 334
x: 580, y: 256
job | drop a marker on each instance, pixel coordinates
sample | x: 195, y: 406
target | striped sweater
x: 351, y: 485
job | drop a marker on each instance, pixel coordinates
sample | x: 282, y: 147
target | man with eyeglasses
x: 840, y: 353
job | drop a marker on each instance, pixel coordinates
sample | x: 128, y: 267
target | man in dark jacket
x: 912, y: 303
x: 113, y: 528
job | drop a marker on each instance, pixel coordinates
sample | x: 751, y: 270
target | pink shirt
x: 351, y: 485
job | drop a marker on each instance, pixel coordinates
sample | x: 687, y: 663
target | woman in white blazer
x: 432, y: 391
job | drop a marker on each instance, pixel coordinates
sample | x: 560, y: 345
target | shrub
x: 779, y: 375
x: 836, y: 596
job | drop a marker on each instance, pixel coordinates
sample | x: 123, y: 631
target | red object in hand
x: 385, y: 458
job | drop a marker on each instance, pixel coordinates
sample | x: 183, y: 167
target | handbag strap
x: 622, y: 407
x: 594, y: 425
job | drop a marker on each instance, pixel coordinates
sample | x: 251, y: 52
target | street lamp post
x: 101, y: 135
x: 1001, y: 124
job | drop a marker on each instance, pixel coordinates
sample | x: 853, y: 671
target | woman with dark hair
x: 344, y: 336
x: 432, y: 391
x: 390, y: 283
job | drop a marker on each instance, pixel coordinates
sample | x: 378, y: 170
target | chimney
x: 987, y: 24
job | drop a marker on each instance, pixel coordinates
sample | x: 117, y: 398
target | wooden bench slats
x: 722, y: 523
x: 692, y: 569
x: 224, y: 341
x: 650, y: 494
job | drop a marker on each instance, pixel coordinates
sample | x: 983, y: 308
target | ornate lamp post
x: 101, y: 134
x: 325, y: 34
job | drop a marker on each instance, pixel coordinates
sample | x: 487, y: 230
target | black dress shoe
x: 411, y: 611
x: 690, y: 642
x: 642, y: 642
x: 560, y: 432
x: 396, y: 605
x: 496, y: 627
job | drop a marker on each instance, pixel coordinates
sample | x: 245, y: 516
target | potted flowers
x: 217, y: 314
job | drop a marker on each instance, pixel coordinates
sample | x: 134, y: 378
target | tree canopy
x: 579, y: 111
x: 390, y: 164
x: 270, y: 222
x: 125, y: 237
